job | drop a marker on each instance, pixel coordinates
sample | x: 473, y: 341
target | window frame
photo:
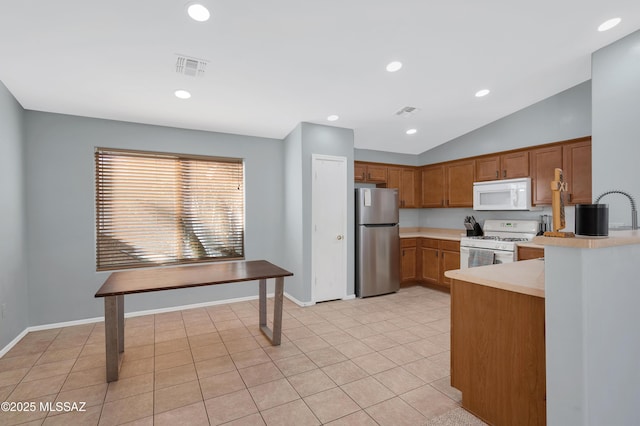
x: 103, y: 265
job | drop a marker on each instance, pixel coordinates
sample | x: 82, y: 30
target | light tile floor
x: 381, y: 360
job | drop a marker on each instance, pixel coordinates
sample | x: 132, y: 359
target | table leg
x: 111, y: 338
x: 277, y: 311
x: 120, y: 301
x: 263, y: 303
x: 273, y: 335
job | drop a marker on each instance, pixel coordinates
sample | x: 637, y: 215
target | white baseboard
x: 297, y: 302
x: 13, y: 342
x: 27, y: 330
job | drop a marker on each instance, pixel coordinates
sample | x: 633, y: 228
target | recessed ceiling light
x: 332, y: 117
x: 182, y: 94
x: 412, y: 131
x: 394, y: 66
x: 481, y: 93
x: 198, y: 12
x: 607, y: 25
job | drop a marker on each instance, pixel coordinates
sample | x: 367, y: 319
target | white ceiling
x: 273, y: 64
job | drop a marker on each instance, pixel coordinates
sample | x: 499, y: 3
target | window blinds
x: 163, y: 209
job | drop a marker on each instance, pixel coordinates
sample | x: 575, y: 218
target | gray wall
x: 386, y: 157
x: 592, y: 345
x: 616, y: 124
x: 292, y: 240
x: 61, y: 217
x: 307, y: 139
x: 327, y: 140
x: 566, y: 115
x: 13, y: 270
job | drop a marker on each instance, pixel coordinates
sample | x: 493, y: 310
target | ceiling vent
x: 407, y: 111
x: 192, y: 67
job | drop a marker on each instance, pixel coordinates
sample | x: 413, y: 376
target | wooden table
x: 142, y: 281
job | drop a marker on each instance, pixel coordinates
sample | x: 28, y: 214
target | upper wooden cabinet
x: 576, y: 165
x: 506, y: 166
x: 459, y: 177
x: 448, y: 184
x: 433, y: 187
x: 365, y: 172
x: 544, y: 161
x: 405, y: 179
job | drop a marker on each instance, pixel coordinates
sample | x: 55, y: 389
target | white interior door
x: 329, y: 226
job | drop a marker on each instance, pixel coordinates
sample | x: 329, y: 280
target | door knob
x: 339, y: 237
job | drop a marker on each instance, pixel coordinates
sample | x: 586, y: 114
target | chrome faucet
x: 634, y: 212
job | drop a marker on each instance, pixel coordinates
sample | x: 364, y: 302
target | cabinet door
x: 459, y: 179
x: 408, y: 188
x: 576, y: 160
x: 433, y: 186
x: 544, y: 161
x: 430, y: 265
x: 487, y: 168
x: 514, y: 165
x: 359, y: 172
x: 449, y: 260
x: 408, y: 264
x: 393, y: 182
x: 376, y: 173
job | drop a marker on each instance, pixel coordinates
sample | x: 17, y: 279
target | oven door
x: 501, y: 256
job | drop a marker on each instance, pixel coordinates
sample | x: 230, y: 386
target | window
x: 164, y: 209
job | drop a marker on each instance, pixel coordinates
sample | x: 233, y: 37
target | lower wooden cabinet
x: 425, y: 260
x: 498, y: 353
x: 449, y: 259
x: 526, y: 253
x: 408, y: 260
x: 430, y: 261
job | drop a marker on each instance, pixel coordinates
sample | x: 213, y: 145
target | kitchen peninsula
x: 498, y: 341
x: 592, y: 336
x: 574, y: 315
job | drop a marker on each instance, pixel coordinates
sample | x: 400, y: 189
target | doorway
x: 329, y: 228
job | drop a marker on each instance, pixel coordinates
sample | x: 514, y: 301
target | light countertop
x: 531, y: 245
x: 615, y: 238
x: 446, y: 234
x: 439, y: 233
x: 525, y: 277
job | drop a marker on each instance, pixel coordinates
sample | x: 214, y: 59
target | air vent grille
x: 192, y: 67
x: 408, y: 110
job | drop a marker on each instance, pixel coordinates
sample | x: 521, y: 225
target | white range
x: 499, y: 243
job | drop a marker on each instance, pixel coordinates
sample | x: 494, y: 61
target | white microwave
x: 507, y: 194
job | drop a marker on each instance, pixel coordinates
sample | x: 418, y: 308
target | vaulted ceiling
x: 268, y: 65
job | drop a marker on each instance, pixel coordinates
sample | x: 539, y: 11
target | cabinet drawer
x: 428, y: 243
x: 408, y: 242
x: 449, y: 245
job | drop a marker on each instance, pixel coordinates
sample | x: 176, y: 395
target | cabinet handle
x: 442, y: 203
x: 363, y: 176
x: 402, y: 253
x: 504, y: 173
x: 569, y: 197
x: 369, y: 175
x: 447, y: 202
x: 436, y: 254
x: 497, y: 174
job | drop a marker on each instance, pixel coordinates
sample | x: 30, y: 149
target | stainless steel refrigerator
x: 377, y: 242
